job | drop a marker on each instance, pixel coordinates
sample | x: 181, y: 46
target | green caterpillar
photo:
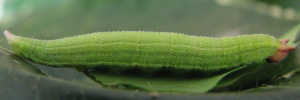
x: 132, y: 49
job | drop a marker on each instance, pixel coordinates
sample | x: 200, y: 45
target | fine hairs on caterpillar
x: 151, y: 51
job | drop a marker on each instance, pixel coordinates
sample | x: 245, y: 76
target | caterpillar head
x: 281, y: 51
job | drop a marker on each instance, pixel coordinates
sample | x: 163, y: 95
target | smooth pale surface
x: 147, y: 49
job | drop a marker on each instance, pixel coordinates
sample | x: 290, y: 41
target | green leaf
x: 165, y: 84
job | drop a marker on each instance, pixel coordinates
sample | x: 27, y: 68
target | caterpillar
x: 142, y: 50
